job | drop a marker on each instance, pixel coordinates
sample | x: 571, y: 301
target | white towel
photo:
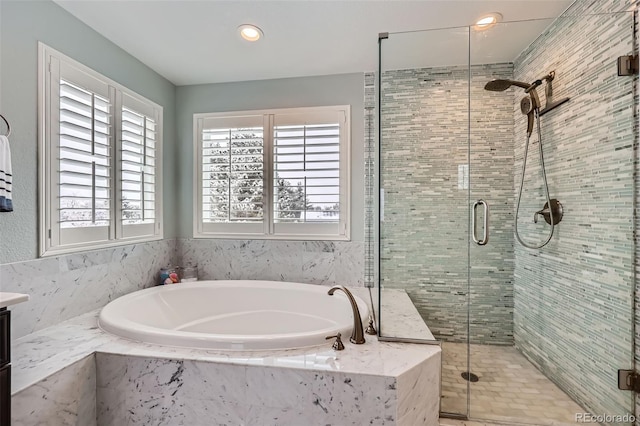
x: 6, y: 203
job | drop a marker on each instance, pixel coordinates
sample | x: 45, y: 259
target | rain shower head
x: 502, y: 85
x: 528, y: 105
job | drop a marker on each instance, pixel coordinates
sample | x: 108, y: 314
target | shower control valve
x: 557, y: 209
x: 540, y: 212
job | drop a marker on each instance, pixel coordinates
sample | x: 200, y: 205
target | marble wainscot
x: 63, y: 287
x: 314, y: 262
x: 74, y: 373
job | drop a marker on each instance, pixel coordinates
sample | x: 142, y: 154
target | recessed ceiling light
x: 250, y: 32
x: 487, y: 21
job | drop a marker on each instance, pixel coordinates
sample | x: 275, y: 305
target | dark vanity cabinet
x: 5, y: 367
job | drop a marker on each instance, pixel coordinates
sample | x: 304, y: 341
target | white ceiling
x: 193, y: 42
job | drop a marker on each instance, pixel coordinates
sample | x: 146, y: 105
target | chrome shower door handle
x: 485, y: 233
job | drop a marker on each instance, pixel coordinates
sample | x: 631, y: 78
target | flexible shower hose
x: 546, y: 186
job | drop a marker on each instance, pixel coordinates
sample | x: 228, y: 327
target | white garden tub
x: 237, y: 315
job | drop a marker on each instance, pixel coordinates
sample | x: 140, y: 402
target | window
x: 99, y: 159
x: 273, y: 174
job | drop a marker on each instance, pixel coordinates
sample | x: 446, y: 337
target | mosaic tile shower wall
x: 370, y: 190
x: 573, y: 298
x: 424, y: 235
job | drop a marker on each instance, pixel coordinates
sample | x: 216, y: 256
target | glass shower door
x: 424, y: 196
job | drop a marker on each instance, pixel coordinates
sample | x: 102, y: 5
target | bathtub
x: 232, y: 315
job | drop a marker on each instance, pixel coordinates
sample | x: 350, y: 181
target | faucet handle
x: 544, y: 213
x: 371, y: 328
x: 337, y: 345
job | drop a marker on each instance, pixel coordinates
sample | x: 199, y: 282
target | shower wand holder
x: 557, y: 209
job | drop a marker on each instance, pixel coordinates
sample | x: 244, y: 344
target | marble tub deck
x: 74, y: 373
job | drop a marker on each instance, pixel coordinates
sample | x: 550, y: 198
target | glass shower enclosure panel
x: 424, y: 193
x: 529, y: 335
x: 550, y: 326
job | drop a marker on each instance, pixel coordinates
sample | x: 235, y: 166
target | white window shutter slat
x: 83, y: 162
x: 138, y: 168
x: 232, y: 164
x: 306, y: 183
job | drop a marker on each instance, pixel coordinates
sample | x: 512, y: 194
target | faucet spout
x: 357, y: 335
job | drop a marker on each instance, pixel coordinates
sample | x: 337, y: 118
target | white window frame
x: 268, y: 229
x: 86, y: 238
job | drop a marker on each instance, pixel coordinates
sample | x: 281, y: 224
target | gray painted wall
x: 345, y: 89
x: 574, y: 298
x: 22, y: 25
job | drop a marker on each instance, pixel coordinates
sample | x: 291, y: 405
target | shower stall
x: 500, y: 186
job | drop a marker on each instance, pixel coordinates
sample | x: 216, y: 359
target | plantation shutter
x: 232, y: 175
x: 99, y: 159
x: 308, y: 185
x: 281, y: 174
x: 138, y: 157
x: 80, y: 176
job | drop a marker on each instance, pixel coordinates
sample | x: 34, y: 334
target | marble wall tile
x: 67, y: 398
x: 269, y: 260
x: 319, y: 262
x: 350, y: 266
x: 314, y: 262
x: 66, y: 286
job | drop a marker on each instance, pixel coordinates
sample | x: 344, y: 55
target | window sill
x: 80, y: 248
x: 282, y: 237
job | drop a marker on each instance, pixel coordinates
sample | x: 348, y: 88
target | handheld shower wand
x: 530, y: 106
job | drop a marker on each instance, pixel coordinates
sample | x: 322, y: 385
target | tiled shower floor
x: 510, y: 387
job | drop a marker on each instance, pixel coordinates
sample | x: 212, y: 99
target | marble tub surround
x: 66, y: 286
x: 399, y: 317
x: 43, y: 353
x: 313, y: 262
x: 67, y: 397
x: 363, y: 380
x: 146, y: 391
x: 46, y: 352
